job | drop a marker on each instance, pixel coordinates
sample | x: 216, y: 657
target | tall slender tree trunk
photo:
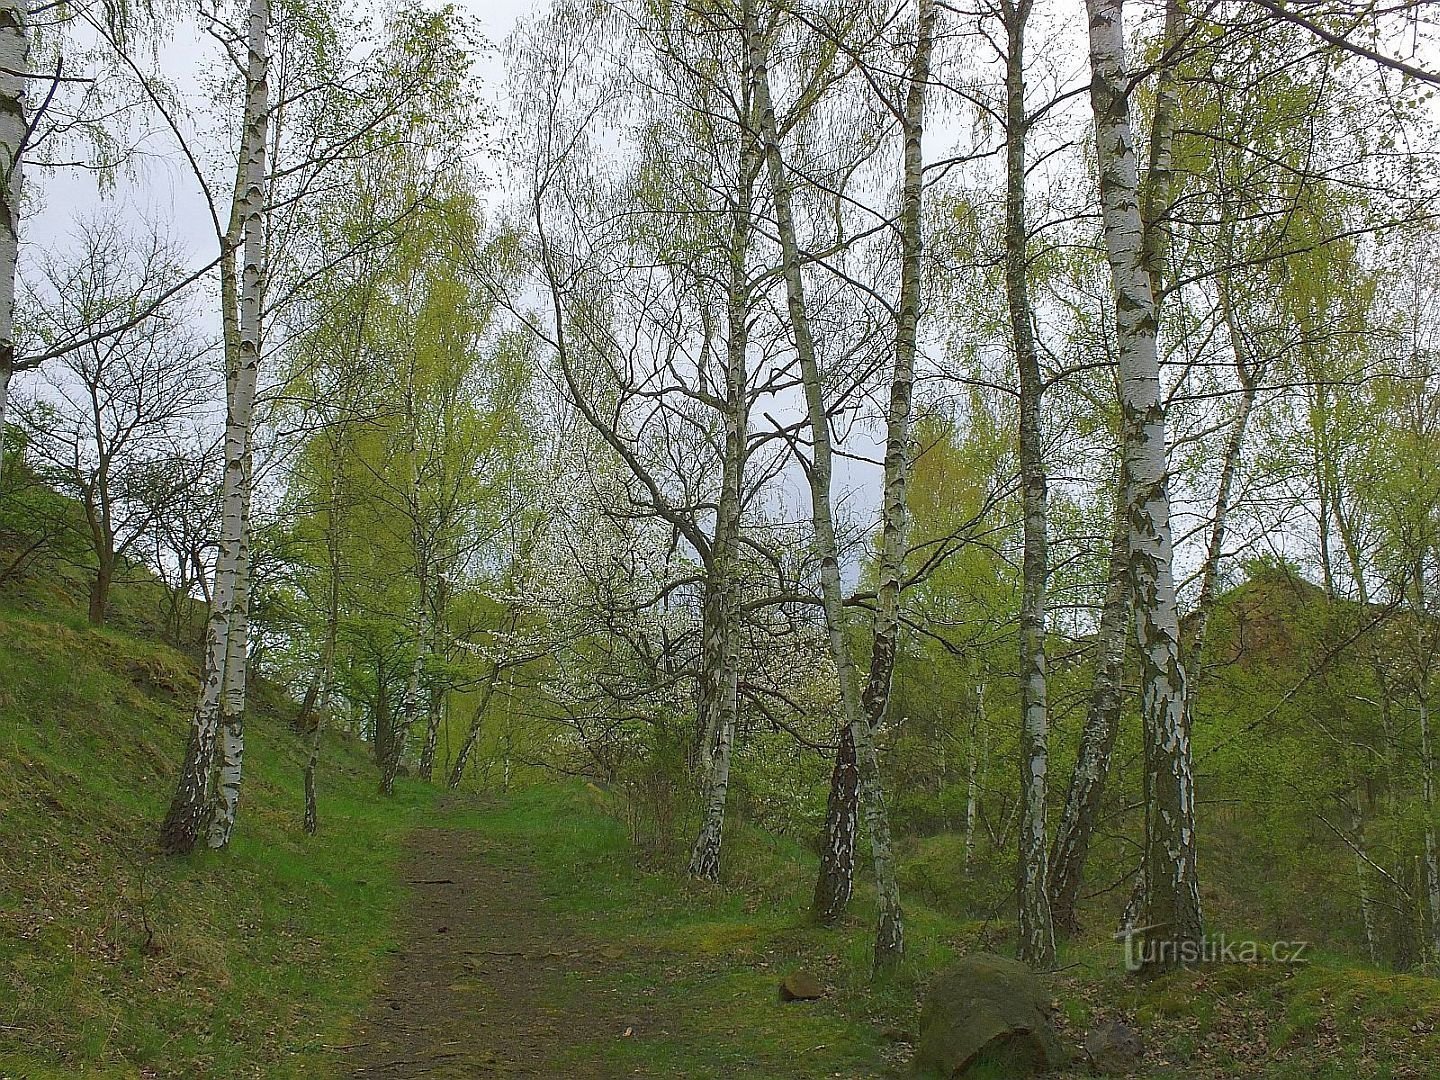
x: 889, y: 937
x: 979, y: 758
x: 1427, y: 779
x: 1172, y: 909
x: 326, y: 677
x: 14, y: 62
x: 835, y: 882
x: 472, y: 733
x: 1193, y: 649
x: 312, y: 761
x: 191, y: 805
x: 1432, y: 858
x: 1362, y: 878
x: 711, y: 675
x: 251, y: 214
x: 1037, y: 931
x: 434, y: 713
x: 1097, y: 738
x: 722, y: 647
x: 230, y: 737
x: 400, y: 730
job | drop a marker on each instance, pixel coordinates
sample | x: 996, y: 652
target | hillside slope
x: 119, y: 962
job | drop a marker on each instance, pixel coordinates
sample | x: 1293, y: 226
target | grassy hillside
x: 117, y: 962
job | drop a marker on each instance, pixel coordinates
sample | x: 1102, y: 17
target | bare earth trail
x: 486, y: 981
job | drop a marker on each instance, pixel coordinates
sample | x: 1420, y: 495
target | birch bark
x: 14, y: 61
x: 1172, y: 908
x: 250, y: 212
x: 889, y: 937
x: 835, y: 883
x: 1427, y: 768
x: 190, y: 807
x: 1097, y: 738
x: 1432, y: 855
x: 722, y: 599
x: 1037, y: 932
x: 230, y: 736
x: 316, y: 719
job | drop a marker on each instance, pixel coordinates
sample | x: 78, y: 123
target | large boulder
x: 987, y: 1015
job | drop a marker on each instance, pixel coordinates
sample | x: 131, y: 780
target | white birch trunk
x: 327, y: 659
x: 191, y: 802
x: 1037, y: 931
x: 14, y: 60
x: 434, y: 715
x: 835, y: 883
x: 1097, y: 739
x: 979, y: 749
x: 1362, y: 879
x: 230, y: 738
x: 1432, y: 856
x: 889, y: 938
x: 250, y: 213
x: 722, y: 660
x: 1172, y: 885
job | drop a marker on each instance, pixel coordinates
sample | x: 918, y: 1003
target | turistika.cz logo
x: 1209, y: 949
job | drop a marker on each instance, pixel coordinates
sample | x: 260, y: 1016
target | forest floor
x: 527, y: 947
x: 485, y: 982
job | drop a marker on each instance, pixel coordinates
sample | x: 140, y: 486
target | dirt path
x: 486, y: 982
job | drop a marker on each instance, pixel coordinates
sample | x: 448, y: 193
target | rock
x: 1114, y: 1049
x: 989, y: 1012
x: 800, y: 986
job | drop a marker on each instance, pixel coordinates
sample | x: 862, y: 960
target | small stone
x: 1114, y: 1049
x: 800, y: 986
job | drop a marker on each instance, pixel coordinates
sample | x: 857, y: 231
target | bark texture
x: 1037, y: 931
x: 721, y: 647
x: 834, y: 883
x: 250, y: 212
x: 1097, y: 738
x: 14, y: 59
x: 889, y: 937
x: 1172, y: 903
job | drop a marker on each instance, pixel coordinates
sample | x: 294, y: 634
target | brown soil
x: 486, y: 982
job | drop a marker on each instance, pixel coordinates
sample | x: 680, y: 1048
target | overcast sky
x: 159, y: 189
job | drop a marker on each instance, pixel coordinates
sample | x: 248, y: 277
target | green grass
x: 115, y: 962
x: 118, y: 962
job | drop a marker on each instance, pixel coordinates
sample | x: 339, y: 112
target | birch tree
x: 14, y: 123
x: 889, y: 937
x: 1172, y: 895
x: 208, y: 791
x: 835, y: 881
